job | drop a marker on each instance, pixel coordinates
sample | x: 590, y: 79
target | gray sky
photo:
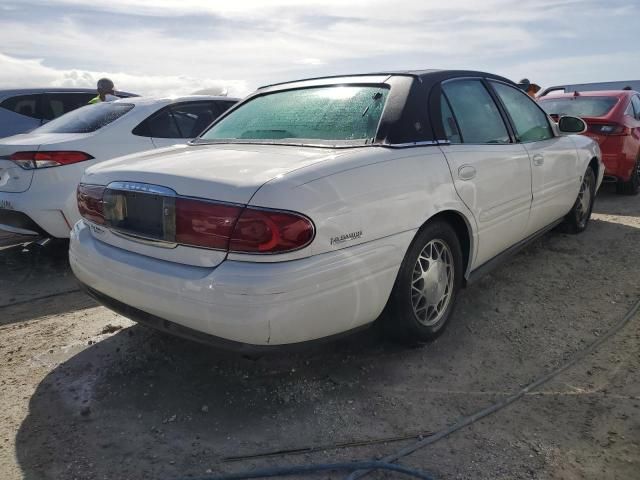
x: 166, y: 47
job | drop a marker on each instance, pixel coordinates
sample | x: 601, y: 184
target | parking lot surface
x: 87, y: 394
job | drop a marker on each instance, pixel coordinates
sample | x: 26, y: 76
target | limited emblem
x: 346, y: 237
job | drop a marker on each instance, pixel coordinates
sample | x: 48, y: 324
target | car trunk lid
x: 142, y: 188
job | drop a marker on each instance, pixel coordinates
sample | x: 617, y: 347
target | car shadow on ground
x: 143, y: 405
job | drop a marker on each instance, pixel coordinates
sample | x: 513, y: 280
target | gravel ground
x: 87, y: 394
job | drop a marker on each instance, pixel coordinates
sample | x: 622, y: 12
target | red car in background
x: 613, y: 120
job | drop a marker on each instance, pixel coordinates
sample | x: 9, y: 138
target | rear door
x: 491, y: 174
x: 178, y: 123
x: 554, y: 160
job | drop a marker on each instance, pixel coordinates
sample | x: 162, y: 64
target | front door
x: 491, y: 174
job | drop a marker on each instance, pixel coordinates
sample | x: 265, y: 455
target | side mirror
x: 569, y: 124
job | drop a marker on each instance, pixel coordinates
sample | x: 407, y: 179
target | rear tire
x: 577, y: 219
x: 631, y: 186
x: 426, y: 288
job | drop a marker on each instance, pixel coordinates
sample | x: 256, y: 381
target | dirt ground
x: 87, y: 394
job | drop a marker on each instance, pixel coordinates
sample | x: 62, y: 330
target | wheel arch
x: 462, y: 226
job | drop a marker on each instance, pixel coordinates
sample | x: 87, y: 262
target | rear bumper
x: 48, y: 216
x: 244, y: 302
x: 12, y: 221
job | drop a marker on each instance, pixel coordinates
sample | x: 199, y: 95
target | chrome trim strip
x: 417, y: 144
x: 140, y: 187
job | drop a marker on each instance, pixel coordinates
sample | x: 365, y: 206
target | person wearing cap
x: 105, y: 92
x: 530, y: 88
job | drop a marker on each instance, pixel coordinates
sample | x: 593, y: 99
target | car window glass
x: 530, y: 121
x: 163, y: 125
x: 579, y: 106
x: 86, y: 119
x: 477, y: 115
x: 449, y: 122
x: 333, y: 113
x: 192, y: 119
x: 57, y: 104
x: 636, y: 105
x: 26, y: 105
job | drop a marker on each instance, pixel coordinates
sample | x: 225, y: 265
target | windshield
x: 579, y: 106
x: 334, y: 114
x: 86, y: 119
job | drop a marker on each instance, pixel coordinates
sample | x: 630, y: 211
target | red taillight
x: 90, y: 202
x: 608, y: 129
x: 239, y: 229
x: 270, y: 231
x: 205, y: 224
x: 31, y: 160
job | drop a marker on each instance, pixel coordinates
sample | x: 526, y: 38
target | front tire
x: 631, y: 186
x: 577, y: 219
x: 425, y: 292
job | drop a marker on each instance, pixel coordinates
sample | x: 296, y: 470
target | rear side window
x: 530, y: 122
x: 184, y: 120
x: 87, y: 119
x: 579, y: 106
x: 57, y: 104
x: 476, y: 114
x: 26, y: 105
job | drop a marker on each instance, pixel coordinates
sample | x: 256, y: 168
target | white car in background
x: 23, y: 109
x: 40, y: 170
x: 312, y: 207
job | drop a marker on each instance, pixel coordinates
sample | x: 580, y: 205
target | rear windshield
x: 86, y: 119
x: 579, y: 106
x: 334, y: 115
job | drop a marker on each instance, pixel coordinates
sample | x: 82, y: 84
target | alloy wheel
x: 432, y: 282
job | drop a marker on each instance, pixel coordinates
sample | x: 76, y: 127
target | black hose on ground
x: 360, y: 469
x: 468, y: 420
x: 321, y: 467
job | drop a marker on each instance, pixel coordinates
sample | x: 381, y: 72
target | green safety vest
x: 95, y: 99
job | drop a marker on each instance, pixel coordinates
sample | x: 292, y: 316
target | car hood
x: 229, y: 172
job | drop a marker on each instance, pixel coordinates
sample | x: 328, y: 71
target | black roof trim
x: 441, y: 74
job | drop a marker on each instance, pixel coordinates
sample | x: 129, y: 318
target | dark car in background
x: 22, y: 110
x: 613, y: 120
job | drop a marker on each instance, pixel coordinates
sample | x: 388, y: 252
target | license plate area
x: 140, y: 214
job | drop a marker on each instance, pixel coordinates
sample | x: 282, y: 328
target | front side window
x: 579, y: 106
x: 89, y: 118
x: 327, y: 114
x: 530, y: 122
x: 476, y: 113
x: 26, y: 105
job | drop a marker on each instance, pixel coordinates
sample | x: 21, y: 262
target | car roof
x: 169, y: 100
x: 424, y: 75
x: 27, y: 91
x: 591, y: 93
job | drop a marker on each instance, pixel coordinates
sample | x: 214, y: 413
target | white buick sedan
x: 40, y: 170
x: 315, y: 207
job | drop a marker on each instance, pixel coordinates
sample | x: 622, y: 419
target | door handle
x: 466, y: 172
x: 538, y: 159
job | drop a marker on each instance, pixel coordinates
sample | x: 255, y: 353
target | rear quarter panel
x: 588, y: 149
x: 362, y: 196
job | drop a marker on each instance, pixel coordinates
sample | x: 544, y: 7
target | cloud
x: 32, y: 73
x: 172, y: 46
